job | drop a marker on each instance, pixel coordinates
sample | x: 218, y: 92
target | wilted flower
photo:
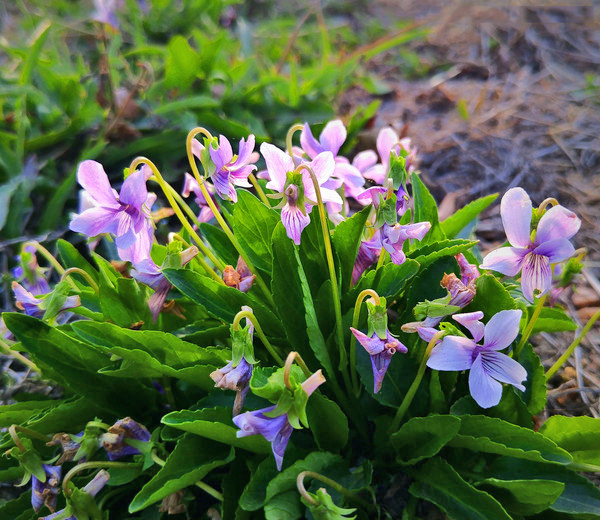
x: 241, y: 277
x: 69, y: 446
x: 488, y: 367
x: 234, y: 378
x: 276, y: 430
x: 45, y: 493
x: 381, y: 352
x: 532, y: 257
x: 114, y: 441
x: 298, y: 188
x: 126, y: 215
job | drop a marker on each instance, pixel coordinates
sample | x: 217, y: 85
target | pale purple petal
x: 223, y: 155
x: 502, y: 329
x: 294, y: 222
x: 333, y: 136
x: 373, y: 345
x: 147, y: 272
x: 504, y: 369
x: 330, y: 196
x: 245, y: 151
x: 416, y: 231
x: 557, y: 222
x: 471, y: 321
x: 372, y: 195
x: 505, y: 260
x: 309, y: 144
x: 157, y: 299
x: 386, y: 139
x: 556, y: 250
x: 96, y: 220
x: 134, y: 191
x: 323, y: 166
x: 313, y: 382
x: 364, y: 160
x: 239, y: 177
x: 536, y: 275
x: 486, y: 391
x: 454, y: 353
x: 376, y: 173
x: 224, y: 189
x: 197, y: 148
x: 515, y: 209
x: 279, y: 164
x: 92, y: 177
x: 349, y: 174
x: 190, y: 184
x: 427, y: 333
x: 379, y: 363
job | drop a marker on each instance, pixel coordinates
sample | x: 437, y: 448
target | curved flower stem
x: 355, y: 318
x: 31, y: 433
x: 333, y: 485
x: 76, y: 270
x: 98, y: 424
x: 251, y: 317
x: 259, y: 190
x: 530, y: 325
x: 163, y: 184
x: 210, y: 490
x: 93, y: 464
x: 562, y: 359
x: 343, y: 365
x: 542, y: 206
x: 260, y: 282
x: 156, y: 458
x: 288, y: 138
x: 410, y: 394
x: 293, y: 356
x: 15, y: 438
x: 18, y: 356
x: 47, y: 255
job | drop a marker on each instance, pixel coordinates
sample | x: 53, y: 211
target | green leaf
x: 220, y: 243
x: 125, y: 304
x: 439, y: 483
x: 346, y: 240
x: 75, y: 364
x: 490, y: 297
x: 431, y: 252
x: 253, y: 224
x: 423, y: 437
x: 580, y: 497
x: 70, y: 257
x: 523, y: 497
x: 191, y: 460
x: 492, y: 435
x: 535, y: 385
x: 426, y: 210
x: 221, y: 301
x: 580, y: 436
x: 13, y: 508
x: 551, y: 319
x: 183, y: 64
x: 18, y: 413
x: 215, y: 424
x: 456, y: 222
x: 70, y: 415
x: 187, y: 103
x: 327, y: 423
x: 254, y: 494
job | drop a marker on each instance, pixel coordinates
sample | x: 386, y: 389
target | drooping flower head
x: 190, y: 185
x: 29, y: 273
x: 241, y: 277
x: 46, y: 493
x: 125, y: 215
x: 532, y: 257
x: 488, y: 367
x: 114, y: 440
x: 277, y: 430
x: 36, y: 305
x: 297, y: 188
x: 393, y: 238
x: 230, y: 170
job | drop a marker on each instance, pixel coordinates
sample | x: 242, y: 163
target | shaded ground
x: 505, y: 97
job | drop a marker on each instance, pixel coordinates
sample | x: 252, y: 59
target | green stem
x: 210, y: 490
x: 157, y: 459
x: 580, y: 466
x: 76, y: 270
x: 260, y: 282
x: 259, y: 190
x: 290, y: 135
x: 15, y: 438
x: 542, y: 206
x: 381, y: 260
x: 93, y: 464
x: 333, y: 485
x: 410, y: 394
x: 293, y: 356
x: 562, y: 359
x: 18, y: 356
x: 355, y: 318
x: 251, y: 317
x: 51, y: 260
x: 163, y: 184
x: 337, y: 306
x: 31, y: 433
x: 530, y: 325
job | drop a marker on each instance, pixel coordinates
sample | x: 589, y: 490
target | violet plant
x: 220, y: 372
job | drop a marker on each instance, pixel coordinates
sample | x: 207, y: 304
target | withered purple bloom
x: 114, y: 440
x: 126, y: 215
x: 276, y: 430
x: 234, y: 378
x: 381, y: 352
x: 488, y: 367
x: 532, y: 257
x: 241, y: 277
x: 45, y: 493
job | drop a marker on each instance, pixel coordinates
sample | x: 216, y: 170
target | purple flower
x: 489, y: 368
x: 106, y: 12
x: 32, y: 306
x: 532, y: 257
x: 393, y: 238
x: 276, y: 430
x: 125, y: 215
x: 300, y: 194
x: 368, y: 253
x: 381, y: 352
x: 69, y: 446
x: 230, y: 170
x: 191, y: 185
x: 388, y: 140
x: 45, y: 493
x: 234, y: 378
x: 241, y: 277
x: 114, y: 441
x: 30, y: 274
